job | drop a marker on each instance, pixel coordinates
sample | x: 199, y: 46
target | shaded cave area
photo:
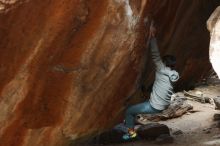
x: 69, y: 69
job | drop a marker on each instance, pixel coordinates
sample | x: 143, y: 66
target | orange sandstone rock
x: 67, y: 67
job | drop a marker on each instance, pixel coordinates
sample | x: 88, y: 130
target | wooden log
x: 177, y: 108
x: 195, y: 97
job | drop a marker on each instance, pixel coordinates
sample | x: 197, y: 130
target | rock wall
x: 67, y: 66
x: 182, y: 32
x: 213, y: 25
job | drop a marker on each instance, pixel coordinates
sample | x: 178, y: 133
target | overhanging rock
x: 67, y: 66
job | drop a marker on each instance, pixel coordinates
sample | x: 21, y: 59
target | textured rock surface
x: 153, y: 130
x: 7, y: 5
x: 213, y: 25
x: 217, y: 102
x: 182, y: 32
x: 66, y: 67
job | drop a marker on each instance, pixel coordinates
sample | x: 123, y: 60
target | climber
x: 162, y: 89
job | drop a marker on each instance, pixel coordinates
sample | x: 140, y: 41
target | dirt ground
x: 195, y: 129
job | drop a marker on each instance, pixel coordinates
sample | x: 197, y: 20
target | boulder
x: 164, y: 139
x: 109, y: 137
x: 213, y: 25
x: 68, y: 66
x: 153, y: 131
x: 216, y: 117
x: 217, y: 102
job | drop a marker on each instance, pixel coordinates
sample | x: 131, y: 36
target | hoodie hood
x: 174, y: 76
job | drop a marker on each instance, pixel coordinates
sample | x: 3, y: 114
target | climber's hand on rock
x: 146, y: 21
x: 152, y: 31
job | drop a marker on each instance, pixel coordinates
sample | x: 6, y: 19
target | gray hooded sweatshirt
x: 162, y: 87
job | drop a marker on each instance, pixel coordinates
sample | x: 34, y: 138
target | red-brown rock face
x: 182, y: 31
x: 66, y: 67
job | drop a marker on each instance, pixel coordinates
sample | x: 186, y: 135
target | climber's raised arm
x: 155, y: 53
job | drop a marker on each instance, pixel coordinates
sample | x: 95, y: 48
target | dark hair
x: 169, y: 60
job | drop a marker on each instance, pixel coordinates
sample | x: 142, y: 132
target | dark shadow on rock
x: 110, y: 137
x: 152, y: 130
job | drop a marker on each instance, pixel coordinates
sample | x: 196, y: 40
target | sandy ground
x: 198, y: 129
